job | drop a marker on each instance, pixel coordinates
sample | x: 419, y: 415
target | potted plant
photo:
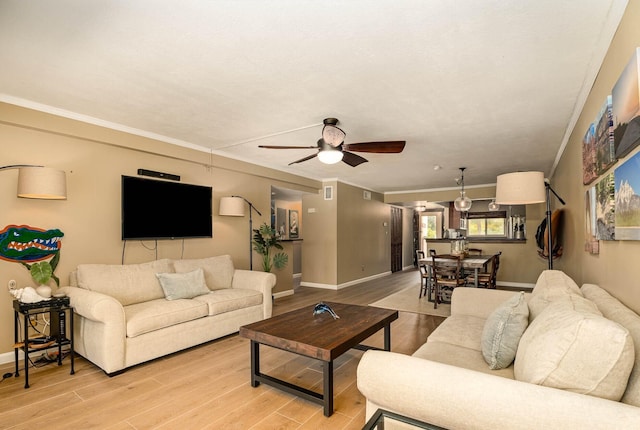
x: 265, y: 239
x: 42, y: 273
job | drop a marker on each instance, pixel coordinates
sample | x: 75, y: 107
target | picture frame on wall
x: 626, y: 107
x: 627, y: 198
x: 294, y: 228
x: 605, y: 208
x: 598, y: 148
x: 281, y: 222
x: 591, y: 244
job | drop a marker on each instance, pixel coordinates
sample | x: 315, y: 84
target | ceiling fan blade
x: 286, y: 147
x: 304, y: 159
x: 352, y: 160
x: 390, y: 147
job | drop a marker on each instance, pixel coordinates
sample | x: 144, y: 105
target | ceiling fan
x: 332, y: 149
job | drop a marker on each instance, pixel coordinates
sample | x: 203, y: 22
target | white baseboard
x: 344, y: 285
x: 283, y: 294
x: 8, y: 357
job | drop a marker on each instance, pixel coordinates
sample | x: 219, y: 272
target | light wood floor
x: 207, y: 387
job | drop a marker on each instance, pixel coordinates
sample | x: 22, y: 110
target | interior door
x: 396, y: 239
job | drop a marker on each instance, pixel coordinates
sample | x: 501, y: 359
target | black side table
x: 58, y: 309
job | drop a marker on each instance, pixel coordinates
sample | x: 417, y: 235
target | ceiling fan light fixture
x: 462, y: 203
x: 330, y: 156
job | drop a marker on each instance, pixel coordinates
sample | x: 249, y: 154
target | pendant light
x: 462, y: 203
x: 493, y: 206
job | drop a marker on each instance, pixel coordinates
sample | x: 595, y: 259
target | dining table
x: 474, y: 262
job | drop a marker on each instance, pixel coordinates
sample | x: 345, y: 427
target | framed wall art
x: 605, y: 208
x: 627, y: 198
x: 626, y: 107
x: 293, y: 224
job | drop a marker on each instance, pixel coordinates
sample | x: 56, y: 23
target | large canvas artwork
x: 598, y: 150
x: 628, y: 200
x: 626, y: 108
x: 591, y: 243
x: 605, y: 208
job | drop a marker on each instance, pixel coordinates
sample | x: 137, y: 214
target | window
x: 487, y: 224
x: 429, y: 229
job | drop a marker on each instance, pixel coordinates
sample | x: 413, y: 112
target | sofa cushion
x: 129, y: 283
x: 160, y: 313
x: 575, y: 351
x: 218, y: 271
x: 461, y: 330
x: 183, y: 285
x: 221, y: 301
x: 459, y: 356
x: 551, y: 285
x: 612, y: 309
x: 502, y: 331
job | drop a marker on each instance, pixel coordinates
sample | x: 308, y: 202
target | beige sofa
x: 577, y: 363
x: 129, y: 314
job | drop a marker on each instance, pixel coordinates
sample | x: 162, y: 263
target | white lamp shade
x: 231, y: 206
x: 330, y: 156
x: 520, y: 188
x: 42, y: 183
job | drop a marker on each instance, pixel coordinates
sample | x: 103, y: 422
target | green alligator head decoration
x: 24, y: 244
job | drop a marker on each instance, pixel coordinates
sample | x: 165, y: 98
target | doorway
x: 396, y: 239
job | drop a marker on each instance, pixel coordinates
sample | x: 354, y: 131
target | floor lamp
x: 521, y: 188
x: 234, y: 206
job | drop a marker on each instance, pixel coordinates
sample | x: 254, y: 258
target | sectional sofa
x: 562, y: 357
x: 129, y: 314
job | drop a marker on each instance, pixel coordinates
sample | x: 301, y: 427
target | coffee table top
x: 320, y: 336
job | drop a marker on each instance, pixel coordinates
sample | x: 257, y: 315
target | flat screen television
x: 154, y: 209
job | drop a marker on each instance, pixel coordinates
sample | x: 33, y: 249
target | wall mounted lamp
x: 39, y: 182
x: 522, y: 188
x: 234, y: 206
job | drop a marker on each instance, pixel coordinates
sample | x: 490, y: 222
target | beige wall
x: 319, y: 255
x: 94, y: 159
x: 616, y: 267
x: 364, y: 244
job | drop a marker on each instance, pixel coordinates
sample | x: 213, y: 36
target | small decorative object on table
x: 322, y: 307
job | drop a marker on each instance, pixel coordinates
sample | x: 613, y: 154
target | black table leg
x: 327, y: 377
x: 72, y: 344
x: 387, y: 337
x: 255, y: 363
x: 26, y: 350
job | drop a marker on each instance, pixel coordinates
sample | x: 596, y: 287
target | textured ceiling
x: 494, y: 86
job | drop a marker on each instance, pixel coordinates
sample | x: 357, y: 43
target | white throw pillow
x: 183, y: 285
x: 502, y: 332
x: 575, y: 351
x: 550, y: 286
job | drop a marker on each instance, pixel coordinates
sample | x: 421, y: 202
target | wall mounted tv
x: 154, y: 209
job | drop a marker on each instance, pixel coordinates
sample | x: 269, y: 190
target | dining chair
x: 424, y: 274
x: 487, y: 279
x: 446, y: 272
x: 475, y: 251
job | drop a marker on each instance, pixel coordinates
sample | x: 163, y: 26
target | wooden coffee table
x: 316, y: 336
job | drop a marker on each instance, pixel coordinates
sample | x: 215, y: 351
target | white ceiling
x: 493, y: 85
